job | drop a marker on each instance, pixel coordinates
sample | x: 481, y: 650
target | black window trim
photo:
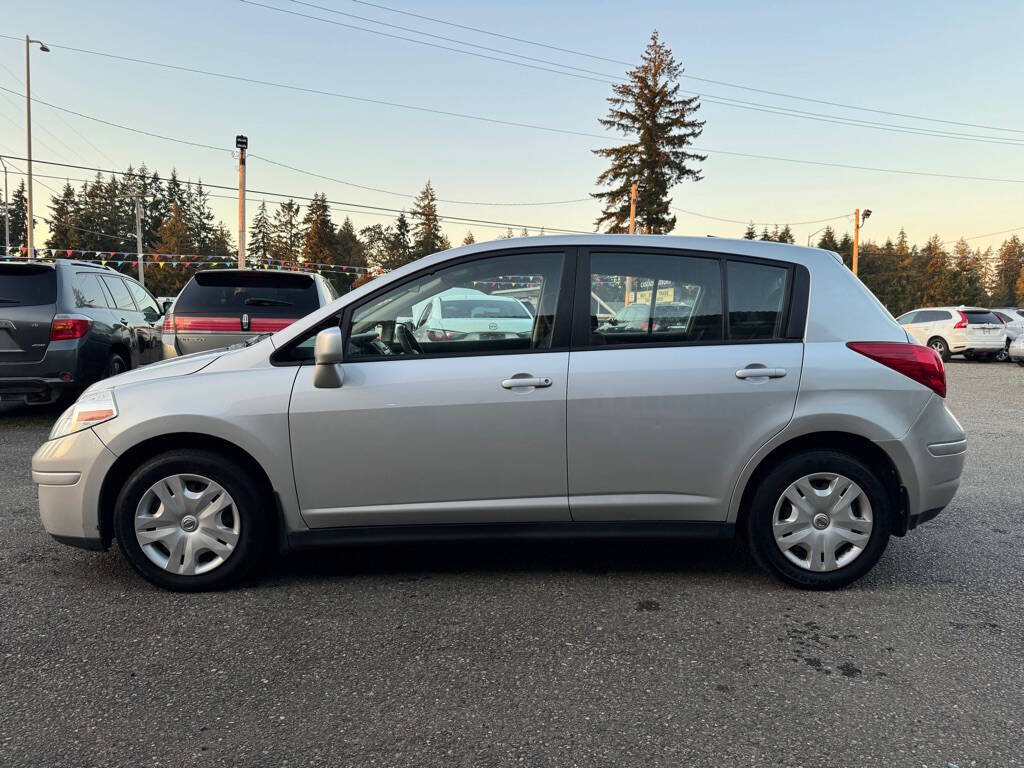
x: 563, y: 309
x: 795, y: 303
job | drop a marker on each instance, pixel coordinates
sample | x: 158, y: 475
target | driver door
x: 433, y: 425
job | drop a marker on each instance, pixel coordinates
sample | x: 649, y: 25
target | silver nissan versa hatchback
x: 785, y: 406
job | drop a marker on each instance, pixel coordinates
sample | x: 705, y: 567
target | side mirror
x: 327, y: 354
x: 168, y: 303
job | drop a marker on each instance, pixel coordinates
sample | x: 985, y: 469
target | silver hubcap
x: 187, y: 524
x: 822, y: 522
x: 938, y: 346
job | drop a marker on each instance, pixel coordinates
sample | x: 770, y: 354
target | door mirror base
x: 328, y: 376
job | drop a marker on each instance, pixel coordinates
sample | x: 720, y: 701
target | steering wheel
x: 408, y: 342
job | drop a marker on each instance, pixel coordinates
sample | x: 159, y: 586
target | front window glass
x: 641, y: 298
x: 474, y: 307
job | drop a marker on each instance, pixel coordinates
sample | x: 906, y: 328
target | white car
x: 1013, y: 323
x: 973, y: 332
x: 1016, y: 350
x: 469, y: 315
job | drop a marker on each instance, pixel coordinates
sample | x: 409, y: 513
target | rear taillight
x: 922, y: 364
x: 168, y: 323
x: 270, y: 324
x: 439, y: 335
x: 962, y: 322
x: 69, y: 327
x: 207, y: 324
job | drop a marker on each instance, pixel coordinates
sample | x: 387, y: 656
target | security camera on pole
x: 858, y: 222
x: 241, y: 142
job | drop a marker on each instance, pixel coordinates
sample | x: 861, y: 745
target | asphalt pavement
x: 564, y: 654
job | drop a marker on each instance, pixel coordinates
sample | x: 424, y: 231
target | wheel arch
x: 853, y: 444
x: 131, y: 459
x: 120, y: 348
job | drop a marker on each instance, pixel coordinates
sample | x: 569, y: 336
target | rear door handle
x: 760, y: 373
x: 526, y: 381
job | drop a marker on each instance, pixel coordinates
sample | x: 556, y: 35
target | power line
x: 494, y: 34
x: 446, y: 39
x: 512, y: 123
x: 604, y: 78
x: 692, y: 77
x: 761, y: 223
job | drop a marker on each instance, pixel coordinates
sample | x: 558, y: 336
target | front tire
x: 820, y: 519
x: 940, y: 346
x: 191, y: 521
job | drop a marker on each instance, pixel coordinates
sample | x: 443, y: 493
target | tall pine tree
x: 751, y: 233
x: 318, y: 244
x: 63, y: 219
x: 260, y: 233
x: 647, y: 108
x: 287, y: 232
x: 426, y: 232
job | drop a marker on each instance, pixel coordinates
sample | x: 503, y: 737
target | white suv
x: 969, y: 331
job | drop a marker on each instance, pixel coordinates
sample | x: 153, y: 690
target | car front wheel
x: 191, y: 521
x: 819, y: 520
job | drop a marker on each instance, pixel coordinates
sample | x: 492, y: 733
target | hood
x: 164, y: 369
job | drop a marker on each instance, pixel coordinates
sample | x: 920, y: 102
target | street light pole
x: 29, y: 223
x: 138, y: 240
x: 241, y: 143
x: 7, y: 213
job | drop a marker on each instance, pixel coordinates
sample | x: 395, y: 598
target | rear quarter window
x: 261, y: 294
x: 27, y: 285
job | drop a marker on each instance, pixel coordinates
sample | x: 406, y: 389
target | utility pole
x: 856, y: 237
x: 632, y: 208
x: 7, y: 213
x: 29, y: 222
x: 857, y: 223
x: 138, y: 239
x: 242, y: 143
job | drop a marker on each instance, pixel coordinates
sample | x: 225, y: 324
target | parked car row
x: 67, y: 324
x: 974, y: 332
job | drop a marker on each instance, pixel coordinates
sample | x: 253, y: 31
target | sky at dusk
x: 954, y: 61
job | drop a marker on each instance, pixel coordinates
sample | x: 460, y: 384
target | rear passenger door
x: 660, y: 421
x: 91, y: 300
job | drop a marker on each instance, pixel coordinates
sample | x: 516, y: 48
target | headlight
x: 90, y: 409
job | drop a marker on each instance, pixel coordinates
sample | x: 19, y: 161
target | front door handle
x: 520, y: 380
x: 760, y: 372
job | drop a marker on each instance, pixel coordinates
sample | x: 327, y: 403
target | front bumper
x: 69, y: 472
x: 929, y: 459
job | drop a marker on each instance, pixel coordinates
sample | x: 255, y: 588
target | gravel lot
x: 561, y: 655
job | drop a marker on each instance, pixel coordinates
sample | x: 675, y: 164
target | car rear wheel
x: 940, y: 346
x: 190, y: 521
x: 819, y: 520
x: 115, y: 365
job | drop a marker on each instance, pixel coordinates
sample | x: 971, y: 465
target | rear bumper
x: 32, y: 391
x: 69, y: 472
x: 42, y: 381
x: 930, y: 459
x: 986, y: 345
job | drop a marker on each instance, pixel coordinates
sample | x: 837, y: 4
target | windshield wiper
x: 259, y: 301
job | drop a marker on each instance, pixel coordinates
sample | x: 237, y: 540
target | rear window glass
x: 27, y: 285
x: 253, y: 293
x: 88, y: 291
x: 469, y: 308
x: 981, y: 318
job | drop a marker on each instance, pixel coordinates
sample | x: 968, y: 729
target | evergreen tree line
x: 905, y: 276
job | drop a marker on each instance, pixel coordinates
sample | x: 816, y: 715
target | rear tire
x: 845, y: 532
x: 939, y: 345
x: 191, y: 521
x: 115, y: 365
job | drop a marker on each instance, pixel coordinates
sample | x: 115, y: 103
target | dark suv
x: 67, y: 324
